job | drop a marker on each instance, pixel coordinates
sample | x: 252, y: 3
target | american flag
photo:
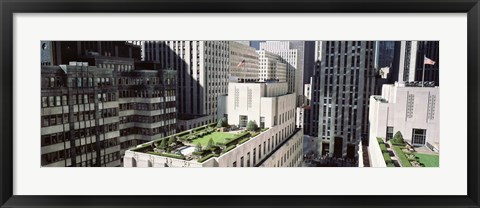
x: 428, y: 61
x: 242, y: 63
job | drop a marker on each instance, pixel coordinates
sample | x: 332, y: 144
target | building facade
x: 203, y: 69
x: 280, y: 144
x: 244, y: 62
x: 413, y: 111
x: 290, y: 57
x: 92, y: 114
x: 271, y: 67
x: 342, y: 85
x: 408, y: 62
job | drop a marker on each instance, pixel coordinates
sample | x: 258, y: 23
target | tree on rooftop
x: 222, y: 122
x: 172, y: 140
x: 252, y: 126
x: 163, y: 144
x: 398, y: 138
x: 198, y: 148
x: 210, y: 143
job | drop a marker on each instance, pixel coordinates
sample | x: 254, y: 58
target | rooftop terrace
x: 199, y: 144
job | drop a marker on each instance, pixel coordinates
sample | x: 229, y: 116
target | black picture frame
x: 9, y: 7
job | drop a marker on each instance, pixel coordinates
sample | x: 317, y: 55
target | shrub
x: 198, y: 148
x: 222, y: 122
x: 210, y: 143
x: 163, y: 144
x: 252, y: 126
x: 398, y: 139
x: 172, y: 140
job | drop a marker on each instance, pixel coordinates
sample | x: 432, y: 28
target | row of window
x: 103, y: 160
x: 52, y: 101
x: 53, y: 157
x: 265, y: 148
x: 146, y: 93
x: 146, y: 119
x: 147, y: 131
x: 145, y: 81
x: 146, y: 106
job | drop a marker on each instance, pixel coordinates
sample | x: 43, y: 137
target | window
x: 254, y: 156
x: 259, y: 151
x: 248, y: 159
x: 50, y: 101
x: 44, y: 102
x: 419, y: 136
x: 389, y: 133
x: 262, y: 122
x: 243, y: 120
x: 241, y: 162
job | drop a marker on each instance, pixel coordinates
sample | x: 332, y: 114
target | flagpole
x: 424, y: 56
x: 423, y: 72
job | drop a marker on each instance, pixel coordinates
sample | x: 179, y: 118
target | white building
x: 243, y: 62
x: 290, y: 56
x: 271, y: 67
x: 203, y: 71
x: 270, y: 106
x: 412, y: 111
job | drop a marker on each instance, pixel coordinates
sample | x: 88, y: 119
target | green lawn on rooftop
x: 216, y: 136
x: 428, y: 160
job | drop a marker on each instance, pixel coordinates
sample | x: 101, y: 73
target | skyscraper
x: 243, y: 61
x: 408, y: 62
x: 203, y: 72
x: 271, y: 67
x: 290, y: 56
x: 343, y: 83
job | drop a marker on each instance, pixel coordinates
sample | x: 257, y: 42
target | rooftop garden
x: 407, y: 155
x: 386, y: 155
x: 201, y: 143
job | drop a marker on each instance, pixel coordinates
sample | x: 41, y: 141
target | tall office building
x: 385, y: 52
x: 308, y: 61
x: 243, y: 62
x: 290, y: 56
x: 92, y: 114
x: 63, y: 52
x: 312, y: 102
x: 203, y: 72
x: 271, y: 67
x: 408, y: 62
x: 94, y: 109
x: 343, y: 83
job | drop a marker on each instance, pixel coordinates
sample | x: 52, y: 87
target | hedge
x: 181, y: 157
x: 207, y: 157
x: 387, y: 158
x: 383, y: 148
x: 237, y: 138
x: 396, y: 143
x: 244, y: 140
x: 228, y: 148
x: 401, y: 156
x: 380, y: 140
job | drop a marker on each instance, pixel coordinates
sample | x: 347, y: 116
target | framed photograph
x: 245, y: 104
